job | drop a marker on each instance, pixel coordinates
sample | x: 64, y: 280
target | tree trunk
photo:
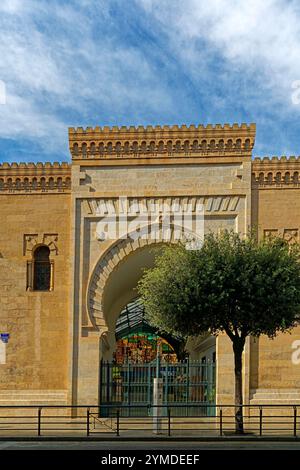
x: 238, y: 361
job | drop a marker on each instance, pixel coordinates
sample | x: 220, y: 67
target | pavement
x: 140, y: 445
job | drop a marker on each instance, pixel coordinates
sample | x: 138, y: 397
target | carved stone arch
x: 126, y: 147
x: 108, y: 262
x: 109, y: 148
x: 135, y: 146
x: 186, y: 145
x: 92, y: 148
x: 177, y: 146
x: 195, y: 145
x: 229, y: 144
x: 204, y: 144
x: 221, y: 144
x: 118, y: 147
x: 160, y: 146
x: 238, y: 143
x: 101, y: 148
x: 169, y: 146
x: 152, y: 146
x: 143, y: 146
x: 212, y: 144
x: 247, y: 144
x: 75, y: 149
x: 33, y: 241
x: 84, y: 149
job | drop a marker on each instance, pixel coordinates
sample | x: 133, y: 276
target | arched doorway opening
x: 129, y: 345
x: 137, y: 342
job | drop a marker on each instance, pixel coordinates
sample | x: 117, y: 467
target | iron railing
x: 83, y: 421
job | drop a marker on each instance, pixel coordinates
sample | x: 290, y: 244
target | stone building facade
x: 49, y: 216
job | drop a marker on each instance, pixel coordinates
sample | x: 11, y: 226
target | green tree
x: 231, y: 284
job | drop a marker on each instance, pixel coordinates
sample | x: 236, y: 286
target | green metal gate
x: 184, y: 383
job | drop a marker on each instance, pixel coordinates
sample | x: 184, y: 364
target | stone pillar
x: 88, y: 370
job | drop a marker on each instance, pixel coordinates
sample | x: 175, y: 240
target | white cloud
x: 259, y: 37
x: 56, y: 62
x: 11, y: 6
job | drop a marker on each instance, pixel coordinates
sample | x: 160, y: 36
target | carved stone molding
x: 211, y: 204
x: 276, y: 172
x: 51, y: 240
x: 30, y: 241
x: 135, y: 142
x: 30, y: 177
x: 290, y: 235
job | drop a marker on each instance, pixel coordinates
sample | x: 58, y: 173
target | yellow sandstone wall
x: 275, y: 212
x: 37, y: 351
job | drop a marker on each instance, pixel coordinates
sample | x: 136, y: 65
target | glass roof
x: 132, y: 318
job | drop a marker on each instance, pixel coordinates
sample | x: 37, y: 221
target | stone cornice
x: 161, y: 141
x: 32, y: 178
x: 276, y: 172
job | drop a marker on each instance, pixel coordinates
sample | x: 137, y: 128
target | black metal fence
x: 84, y: 421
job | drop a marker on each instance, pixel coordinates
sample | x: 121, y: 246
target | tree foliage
x: 238, y: 286
x: 234, y: 285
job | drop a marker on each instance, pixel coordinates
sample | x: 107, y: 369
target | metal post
x: 149, y: 383
x: 39, y: 421
x: 187, y: 394
x: 101, y: 395
x: 221, y: 422
x: 295, y: 421
x: 88, y: 422
x: 128, y: 388
x: 260, y: 420
x: 118, y: 422
x: 108, y: 381
x: 166, y: 389
x: 169, y: 422
x: 158, y: 356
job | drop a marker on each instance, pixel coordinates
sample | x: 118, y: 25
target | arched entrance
x: 128, y: 345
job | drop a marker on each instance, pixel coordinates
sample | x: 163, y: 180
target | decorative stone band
x: 291, y: 235
x: 276, y: 172
x: 28, y: 178
x: 137, y: 142
x: 107, y: 206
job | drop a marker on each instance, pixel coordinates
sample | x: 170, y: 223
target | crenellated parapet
x: 32, y: 178
x: 161, y: 141
x: 276, y: 172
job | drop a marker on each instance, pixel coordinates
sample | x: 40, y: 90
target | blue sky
x: 137, y: 62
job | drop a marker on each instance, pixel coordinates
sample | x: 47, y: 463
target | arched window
x: 41, y: 269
